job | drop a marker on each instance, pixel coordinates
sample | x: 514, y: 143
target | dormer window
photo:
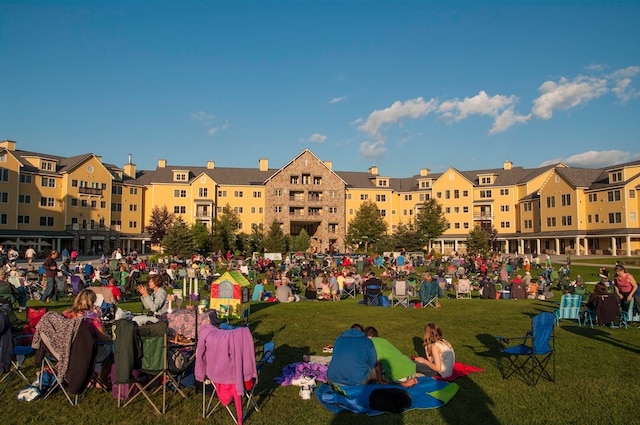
x: 180, y: 177
x: 485, y: 180
x: 615, y: 176
x: 47, y: 165
x: 383, y: 182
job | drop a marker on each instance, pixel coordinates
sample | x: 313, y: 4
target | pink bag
x: 124, y: 388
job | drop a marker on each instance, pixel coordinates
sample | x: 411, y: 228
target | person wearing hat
x: 50, y: 273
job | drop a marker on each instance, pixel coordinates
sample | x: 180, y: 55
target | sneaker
x: 305, y: 393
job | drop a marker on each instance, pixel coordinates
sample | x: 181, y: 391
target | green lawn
x: 593, y: 368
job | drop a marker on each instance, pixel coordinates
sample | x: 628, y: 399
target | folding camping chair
x: 429, y: 294
x: 350, y: 290
x: 19, y: 353
x: 267, y: 357
x: 570, y: 306
x: 630, y: 315
x: 400, y: 294
x: 232, y: 377
x: 372, y: 292
x: 66, y: 351
x: 530, y: 359
x: 154, y: 365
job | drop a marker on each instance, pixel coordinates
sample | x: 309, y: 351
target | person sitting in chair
x: 156, y: 301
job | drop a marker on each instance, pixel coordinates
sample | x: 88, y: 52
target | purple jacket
x: 226, y: 356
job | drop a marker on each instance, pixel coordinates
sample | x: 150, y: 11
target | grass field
x: 596, y: 369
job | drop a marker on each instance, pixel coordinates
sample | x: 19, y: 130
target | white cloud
x: 595, y: 159
x: 372, y: 150
x: 506, y: 120
x: 207, y: 120
x: 622, y: 79
x: 595, y: 67
x: 317, y: 138
x: 338, y: 99
x: 212, y: 131
x: 628, y: 72
x: 398, y: 111
x: 567, y: 94
x: 480, y: 104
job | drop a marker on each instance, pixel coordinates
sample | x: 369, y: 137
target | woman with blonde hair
x: 440, y: 356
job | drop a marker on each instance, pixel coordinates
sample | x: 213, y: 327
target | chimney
x: 508, y: 165
x: 211, y: 165
x: 424, y: 172
x: 9, y: 145
x: 130, y: 169
x: 263, y: 164
x: 329, y: 164
x: 162, y: 163
x: 373, y: 170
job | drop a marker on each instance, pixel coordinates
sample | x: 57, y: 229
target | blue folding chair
x: 570, y: 306
x: 533, y: 358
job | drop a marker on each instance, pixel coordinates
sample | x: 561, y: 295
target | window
x: 74, y: 183
x: 238, y: 194
x: 24, y: 199
x: 383, y: 183
x: 46, y: 221
x: 332, y: 194
x: 465, y: 209
x: 593, y: 197
x: 566, y: 220
x: 3, y: 157
x: 103, y: 204
x: 133, y: 224
x: 383, y: 213
x: 505, y: 224
x: 179, y: 209
x: 180, y: 177
x: 133, y: 191
x: 465, y: 193
x: 381, y: 198
x: 25, y: 178
x: 83, y: 203
x: 551, y: 201
x: 528, y: 224
x: 596, y: 218
x: 456, y: 209
x: 116, y: 206
x: 616, y: 176
x: 260, y: 210
x: 565, y: 200
x: 447, y: 194
x: 438, y: 195
x: 74, y: 202
x: 589, y: 218
x: 485, y: 193
x: 24, y: 219
x: 632, y: 193
x: 94, y: 203
x: 632, y: 216
x: 347, y: 196
x: 456, y: 225
x: 485, y: 180
x: 294, y: 179
x: 48, y: 182
x: 504, y: 192
x: 424, y: 184
x: 408, y: 197
x: 333, y: 227
x: 257, y: 194
x: 447, y: 210
x: 278, y: 209
x: 613, y: 195
x: 333, y: 210
x: 4, y: 218
x: 551, y: 222
x: 504, y: 208
x: 306, y: 178
x: 527, y: 206
x: 350, y: 211
x: 47, y: 202
x: 466, y: 225
x: 46, y: 165
x: 456, y: 194
x: 180, y: 193
x: 4, y: 175
x: 277, y: 192
x: 615, y: 218
x: 238, y: 210
x: 116, y: 190
x: 4, y: 197
x: 364, y: 196
x: 133, y: 207
x: 317, y: 180
x: 223, y: 194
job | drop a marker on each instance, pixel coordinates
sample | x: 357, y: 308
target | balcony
x: 483, y: 216
x: 90, y: 191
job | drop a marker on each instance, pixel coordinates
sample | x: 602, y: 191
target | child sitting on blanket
x: 440, y: 356
x: 396, y: 367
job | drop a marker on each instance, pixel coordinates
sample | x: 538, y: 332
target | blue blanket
x: 428, y: 393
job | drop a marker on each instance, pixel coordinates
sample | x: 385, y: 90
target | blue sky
x: 403, y: 85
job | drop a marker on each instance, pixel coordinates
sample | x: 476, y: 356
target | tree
x: 159, y: 222
x: 301, y: 242
x: 367, y: 226
x: 201, y: 237
x: 256, y: 239
x: 274, y: 240
x: 406, y: 237
x: 430, y: 221
x: 224, y: 230
x: 478, y: 242
x: 178, y: 241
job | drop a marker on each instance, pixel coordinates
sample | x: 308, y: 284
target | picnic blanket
x: 428, y: 393
x: 459, y: 370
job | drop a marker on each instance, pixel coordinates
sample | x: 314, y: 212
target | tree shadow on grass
x: 599, y: 335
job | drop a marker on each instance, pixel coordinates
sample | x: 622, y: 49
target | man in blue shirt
x: 354, y: 359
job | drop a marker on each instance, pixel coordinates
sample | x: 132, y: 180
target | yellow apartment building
x: 82, y: 203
